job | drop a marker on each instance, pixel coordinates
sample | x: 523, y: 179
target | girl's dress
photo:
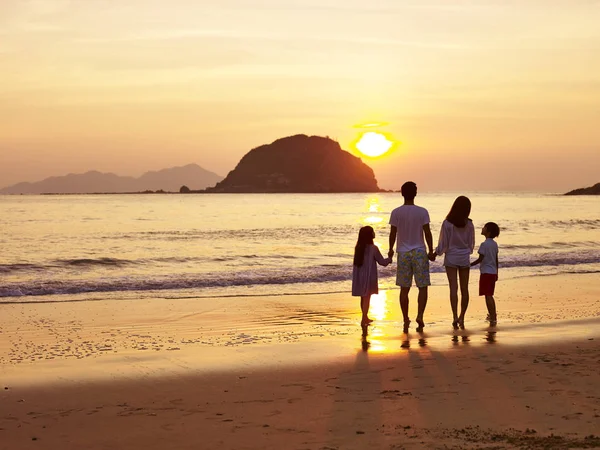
x: 364, y: 278
x: 457, y: 244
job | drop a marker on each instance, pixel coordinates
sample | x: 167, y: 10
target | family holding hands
x: 411, y: 234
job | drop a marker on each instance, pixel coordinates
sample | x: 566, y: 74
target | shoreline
x: 386, y: 283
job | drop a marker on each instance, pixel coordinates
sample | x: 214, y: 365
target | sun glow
x: 373, y: 144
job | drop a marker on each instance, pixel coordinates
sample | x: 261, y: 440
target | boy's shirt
x: 489, y: 250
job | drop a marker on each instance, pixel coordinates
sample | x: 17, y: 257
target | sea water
x: 95, y: 247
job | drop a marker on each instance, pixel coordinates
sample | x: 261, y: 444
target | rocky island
x: 592, y: 190
x: 299, y: 164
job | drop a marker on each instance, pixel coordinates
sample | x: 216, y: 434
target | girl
x: 457, y: 241
x: 364, y: 272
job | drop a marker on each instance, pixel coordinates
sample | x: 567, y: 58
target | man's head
x: 409, y: 190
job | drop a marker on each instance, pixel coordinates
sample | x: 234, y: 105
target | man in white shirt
x: 409, y: 230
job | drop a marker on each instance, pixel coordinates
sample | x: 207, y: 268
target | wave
x: 323, y: 231
x: 95, y: 262
x: 108, y: 263
x: 65, y: 263
x: 262, y: 276
x: 552, y: 245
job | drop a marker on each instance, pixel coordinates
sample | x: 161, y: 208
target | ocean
x: 99, y: 247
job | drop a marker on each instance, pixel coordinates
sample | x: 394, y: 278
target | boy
x: 488, y: 257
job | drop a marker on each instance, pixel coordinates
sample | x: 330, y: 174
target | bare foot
x: 421, y: 325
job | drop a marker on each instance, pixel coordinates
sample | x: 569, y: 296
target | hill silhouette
x: 300, y: 164
x: 592, y: 190
x: 169, y: 180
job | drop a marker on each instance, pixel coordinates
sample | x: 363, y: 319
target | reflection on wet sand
x: 456, y: 339
x: 490, y: 336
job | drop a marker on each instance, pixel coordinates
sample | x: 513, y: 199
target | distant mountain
x: 192, y: 175
x: 299, y: 163
x: 592, y: 190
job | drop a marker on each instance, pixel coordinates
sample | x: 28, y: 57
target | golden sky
x: 487, y: 94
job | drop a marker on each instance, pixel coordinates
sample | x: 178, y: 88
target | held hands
x: 431, y: 256
x: 390, y: 253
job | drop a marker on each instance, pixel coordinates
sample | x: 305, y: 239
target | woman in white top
x: 457, y: 241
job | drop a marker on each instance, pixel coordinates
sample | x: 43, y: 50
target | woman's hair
x: 365, y: 237
x: 459, y: 213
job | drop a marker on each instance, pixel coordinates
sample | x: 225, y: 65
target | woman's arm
x: 471, y: 236
x: 442, y: 246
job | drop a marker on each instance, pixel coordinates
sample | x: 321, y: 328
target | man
x: 409, y: 230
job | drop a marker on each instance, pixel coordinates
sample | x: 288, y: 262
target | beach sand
x: 296, y: 372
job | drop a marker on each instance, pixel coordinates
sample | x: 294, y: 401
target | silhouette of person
x: 409, y: 229
x: 456, y: 242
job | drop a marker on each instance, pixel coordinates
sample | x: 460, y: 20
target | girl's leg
x: 365, y: 303
x: 451, y: 273
x: 491, y: 307
x: 463, y: 275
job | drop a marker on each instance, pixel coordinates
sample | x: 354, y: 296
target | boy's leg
x: 463, y: 274
x: 451, y: 273
x: 491, y: 307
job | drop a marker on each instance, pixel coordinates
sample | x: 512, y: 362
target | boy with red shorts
x: 488, y: 257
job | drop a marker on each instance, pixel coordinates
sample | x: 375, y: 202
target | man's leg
x: 422, y: 305
x: 404, y: 276
x: 421, y: 271
x: 404, y: 303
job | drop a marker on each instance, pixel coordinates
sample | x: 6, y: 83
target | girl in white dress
x: 364, y: 272
x: 457, y: 241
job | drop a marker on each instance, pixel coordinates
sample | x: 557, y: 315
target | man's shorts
x: 487, y: 283
x: 413, y: 263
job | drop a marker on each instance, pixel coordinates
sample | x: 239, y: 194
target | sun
x: 373, y: 144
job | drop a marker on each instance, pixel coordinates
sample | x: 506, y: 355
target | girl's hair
x: 459, y: 213
x: 365, y: 237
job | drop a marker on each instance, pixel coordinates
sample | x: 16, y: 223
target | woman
x: 457, y: 241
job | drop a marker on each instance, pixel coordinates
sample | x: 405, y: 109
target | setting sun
x: 373, y: 144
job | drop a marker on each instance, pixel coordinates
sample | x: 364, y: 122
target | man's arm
x: 428, y: 238
x: 392, y: 240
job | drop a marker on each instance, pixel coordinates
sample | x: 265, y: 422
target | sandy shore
x: 295, y: 372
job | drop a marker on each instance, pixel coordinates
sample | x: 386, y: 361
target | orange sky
x: 482, y: 94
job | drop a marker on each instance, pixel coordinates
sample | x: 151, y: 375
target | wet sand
x: 295, y: 372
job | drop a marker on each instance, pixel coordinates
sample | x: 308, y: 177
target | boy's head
x: 491, y: 230
x: 409, y: 190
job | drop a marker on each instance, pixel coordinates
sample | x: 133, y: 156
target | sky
x: 489, y: 94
